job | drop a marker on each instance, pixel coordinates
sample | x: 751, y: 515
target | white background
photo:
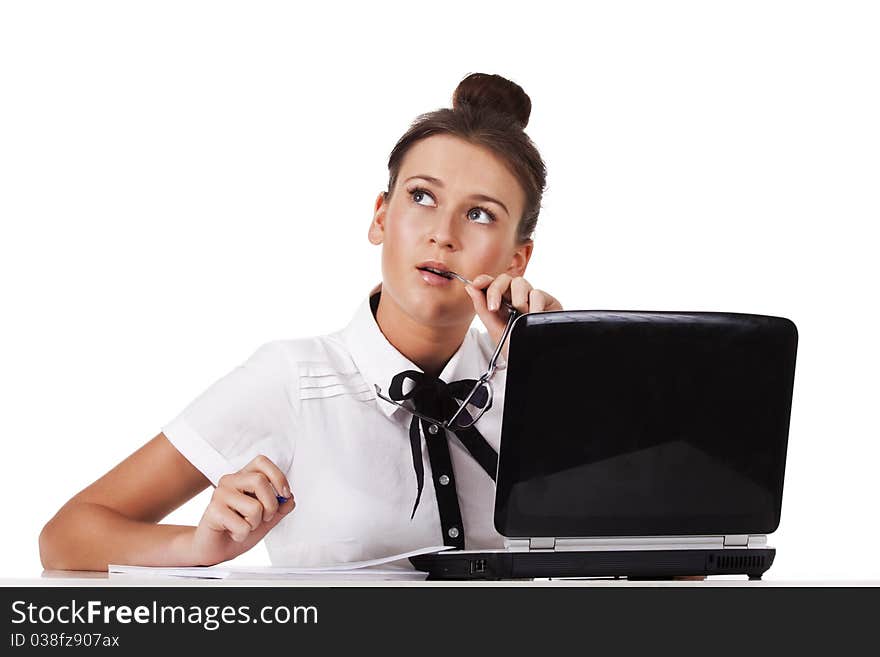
x: 181, y: 182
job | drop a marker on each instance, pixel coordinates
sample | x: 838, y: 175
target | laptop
x: 638, y: 444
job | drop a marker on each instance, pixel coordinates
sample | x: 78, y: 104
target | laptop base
x: 633, y: 564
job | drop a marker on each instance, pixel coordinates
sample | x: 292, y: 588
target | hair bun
x: 493, y: 92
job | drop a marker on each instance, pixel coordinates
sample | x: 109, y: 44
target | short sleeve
x: 245, y: 413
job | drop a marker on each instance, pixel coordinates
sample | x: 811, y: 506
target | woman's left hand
x: 518, y: 291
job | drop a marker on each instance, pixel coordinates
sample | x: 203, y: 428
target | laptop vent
x: 736, y: 562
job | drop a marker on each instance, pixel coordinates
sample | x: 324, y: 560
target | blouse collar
x: 378, y: 360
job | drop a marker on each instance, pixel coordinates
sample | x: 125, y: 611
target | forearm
x: 85, y: 536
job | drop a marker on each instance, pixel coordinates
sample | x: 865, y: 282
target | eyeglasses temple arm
x: 408, y: 410
x: 514, y: 313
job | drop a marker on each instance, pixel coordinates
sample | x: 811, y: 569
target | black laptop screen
x: 644, y: 423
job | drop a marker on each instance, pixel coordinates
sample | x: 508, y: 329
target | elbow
x: 70, y: 541
x: 48, y: 547
x: 54, y: 549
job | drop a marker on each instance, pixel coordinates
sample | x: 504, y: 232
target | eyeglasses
x: 479, y: 400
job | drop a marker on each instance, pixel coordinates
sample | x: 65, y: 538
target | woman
x: 306, y: 428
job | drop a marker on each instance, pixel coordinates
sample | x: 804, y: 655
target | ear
x: 376, y: 234
x: 520, y: 259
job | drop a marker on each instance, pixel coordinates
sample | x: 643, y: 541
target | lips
x: 435, y: 267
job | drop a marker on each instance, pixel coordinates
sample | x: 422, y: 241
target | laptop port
x: 477, y: 566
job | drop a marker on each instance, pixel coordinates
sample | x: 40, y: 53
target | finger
x: 262, y: 464
x: 246, y: 506
x: 257, y: 535
x: 283, y: 510
x: 496, y: 290
x: 267, y: 526
x: 481, y: 284
x: 519, y: 294
x: 272, y: 472
x: 482, y: 281
x: 537, y: 301
x: 257, y: 484
x: 222, y: 518
x: 490, y: 320
x: 479, y: 299
x: 551, y: 302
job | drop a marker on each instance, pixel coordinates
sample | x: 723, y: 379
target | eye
x: 474, y: 213
x: 417, y: 194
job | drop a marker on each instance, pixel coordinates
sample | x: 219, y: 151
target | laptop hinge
x: 745, y: 540
x: 526, y: 544
x: 516, y: 544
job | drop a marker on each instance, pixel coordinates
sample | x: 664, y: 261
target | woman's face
x: 454, y: 203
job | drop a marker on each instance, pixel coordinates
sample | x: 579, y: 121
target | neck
x: 428, y: 347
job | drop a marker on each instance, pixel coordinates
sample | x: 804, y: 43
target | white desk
x: 100, y: 578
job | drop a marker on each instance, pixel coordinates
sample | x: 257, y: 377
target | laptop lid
x: 625, y: 423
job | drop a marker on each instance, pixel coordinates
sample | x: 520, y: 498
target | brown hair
x: 489, y: 111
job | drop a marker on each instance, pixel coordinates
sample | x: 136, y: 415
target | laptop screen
x: 624, y: 423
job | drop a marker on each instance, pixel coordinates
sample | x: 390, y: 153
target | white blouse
x: 309, y: 405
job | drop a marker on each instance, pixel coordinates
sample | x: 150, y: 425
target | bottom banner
x: 434, y: 619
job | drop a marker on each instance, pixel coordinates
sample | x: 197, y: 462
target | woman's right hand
x: 243, y: 509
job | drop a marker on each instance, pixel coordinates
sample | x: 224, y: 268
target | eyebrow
x: 478, y: 197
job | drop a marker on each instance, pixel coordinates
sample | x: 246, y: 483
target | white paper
x: 360, y: 574
x: 204, y: 572
x: 354, y: 569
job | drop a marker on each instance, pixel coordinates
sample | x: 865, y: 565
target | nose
x: 443, y: 231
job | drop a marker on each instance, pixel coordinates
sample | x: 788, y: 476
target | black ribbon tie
x: 435, y: 398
